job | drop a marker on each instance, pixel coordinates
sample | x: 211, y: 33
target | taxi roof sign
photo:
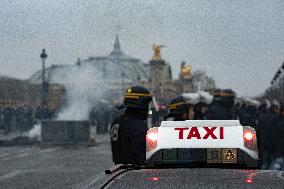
x: 201, y: 134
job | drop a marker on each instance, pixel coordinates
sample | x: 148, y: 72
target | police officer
x: 201, y: 108
x: 266, y: 138
x: 181, y: 108
x: 279, y: 135
x: 8, y: 114
x: 128, y: 132
x: 248, y: 114
x: 221, y: 108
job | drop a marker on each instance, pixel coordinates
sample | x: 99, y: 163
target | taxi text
x: 193, y: 132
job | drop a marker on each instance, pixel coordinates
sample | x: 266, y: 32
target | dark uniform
x: 222, y: 104
x: 199, y: 113
x: 2, y: 124
x: 128, y: 132
x: 248, y: 116
x: 266, y: 131
x: 278, y: 142
x: 8, y: 114
x: 20, y: 119
x: 279, y: 135
x: 128, y: 138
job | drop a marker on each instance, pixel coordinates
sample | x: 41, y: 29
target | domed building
x: 116, y: 65
x: 117, y: 71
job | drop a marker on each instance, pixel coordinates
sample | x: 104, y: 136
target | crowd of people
x: 21, y: 118
x: 266, y: 118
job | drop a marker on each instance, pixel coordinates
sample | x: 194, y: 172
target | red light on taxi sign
x: 151, y: 139
x: 248, y: 135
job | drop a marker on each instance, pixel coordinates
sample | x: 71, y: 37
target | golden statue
x: 157, y: 52
x: 185, y: 71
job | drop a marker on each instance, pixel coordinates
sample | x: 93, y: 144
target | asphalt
x: 81, y: 167
x: 204, y: 178
x: 34, y: 167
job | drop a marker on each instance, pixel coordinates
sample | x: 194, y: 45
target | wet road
x: 199, y: 179
x: 53, y: 167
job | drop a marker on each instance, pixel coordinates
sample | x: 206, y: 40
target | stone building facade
x: 120, y: 71
x: 16, y: 93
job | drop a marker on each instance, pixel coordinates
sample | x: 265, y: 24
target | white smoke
x: 35, y: 132
x: 84, y: 87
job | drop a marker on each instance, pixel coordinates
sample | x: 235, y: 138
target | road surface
x: 194, y: 178
x: 53, y: 167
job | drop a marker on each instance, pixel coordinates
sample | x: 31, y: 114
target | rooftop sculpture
x: 157, y: 52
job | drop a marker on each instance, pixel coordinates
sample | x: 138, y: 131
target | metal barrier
x: 65, y: 132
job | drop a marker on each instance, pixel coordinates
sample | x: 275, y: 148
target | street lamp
x: 123, y: 75
x: 44, y: 91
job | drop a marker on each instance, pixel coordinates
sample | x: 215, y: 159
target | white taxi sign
x: 200, y: 137
x: 200, y: 134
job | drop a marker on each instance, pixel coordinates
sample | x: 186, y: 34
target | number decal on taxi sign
x: 194, y: 133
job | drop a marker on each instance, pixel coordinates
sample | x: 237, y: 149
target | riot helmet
x: 180, y: 106
x: 225, y: 97
x: 137, y: 97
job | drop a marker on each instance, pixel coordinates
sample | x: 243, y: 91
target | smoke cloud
x: 35, y: 132
x: 84, y: 88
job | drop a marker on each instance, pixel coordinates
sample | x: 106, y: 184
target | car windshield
x: 86, y: 85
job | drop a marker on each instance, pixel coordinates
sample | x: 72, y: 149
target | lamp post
x: 44, y: 91
x: 123, y: 75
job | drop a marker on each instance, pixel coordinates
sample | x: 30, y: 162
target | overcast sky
x: 240, y: 43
